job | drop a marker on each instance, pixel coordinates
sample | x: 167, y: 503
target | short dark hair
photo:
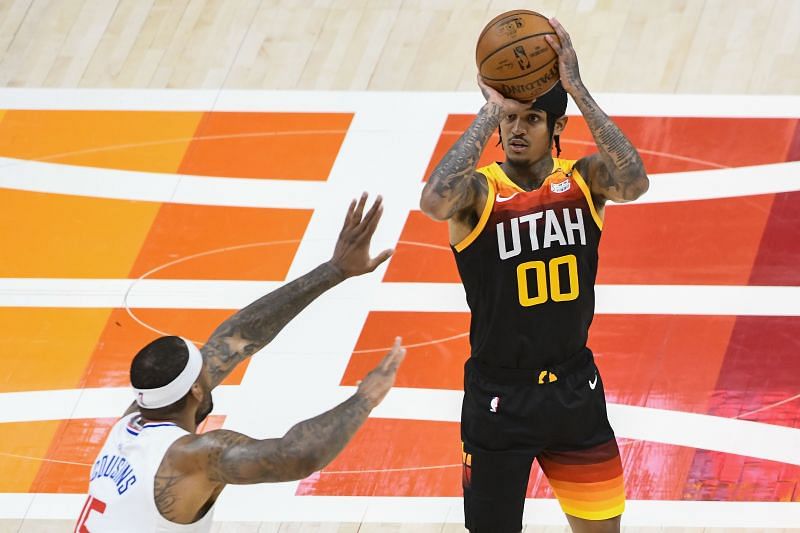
x: 159, y: 363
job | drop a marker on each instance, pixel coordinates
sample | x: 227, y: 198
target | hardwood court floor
x: 668, y: 46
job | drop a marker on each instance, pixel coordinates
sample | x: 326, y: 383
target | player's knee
x: 579, y: 525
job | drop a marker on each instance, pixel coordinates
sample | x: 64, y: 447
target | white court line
x: 615, y: 104
x: 67, y: 404
x: 36, y: 176
x: 727, y: 435
x: 721, y: 183
x: 722, y: 300
x: 238, y: 504
x: 55, y: 178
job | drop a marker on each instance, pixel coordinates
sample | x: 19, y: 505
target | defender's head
x: 169, y: 380
x: 529, y: 136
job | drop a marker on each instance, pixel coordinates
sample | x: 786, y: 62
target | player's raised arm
x: 256, y: 325
x: 615, y: 173
x: 454, y: 186
x: 227, y: 457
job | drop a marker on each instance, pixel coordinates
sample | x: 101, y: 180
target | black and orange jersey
x: 529, y: 268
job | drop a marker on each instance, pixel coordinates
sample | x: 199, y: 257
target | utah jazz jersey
x: 529, y: 269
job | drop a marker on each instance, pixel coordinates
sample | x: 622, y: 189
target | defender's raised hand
x: 351, y: 254
x: 377, y: 383
x: 567, y: 58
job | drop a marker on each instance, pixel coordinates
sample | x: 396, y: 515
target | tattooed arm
x: 615, y: 173
x: 197, y: 467
x: 252, y: 328
x: 454, y: 187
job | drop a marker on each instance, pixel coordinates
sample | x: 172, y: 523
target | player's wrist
x: 494, y: 110
x: 335, y: 271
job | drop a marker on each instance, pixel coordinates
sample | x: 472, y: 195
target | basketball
x: 514, y: 57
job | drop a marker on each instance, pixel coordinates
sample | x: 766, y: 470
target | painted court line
x: 619, y: 104
x: 36, y: 176
x: 722, y: 300
x: 727, y: 435
x: 237, y: 505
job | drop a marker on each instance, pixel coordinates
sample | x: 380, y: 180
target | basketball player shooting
x: 525, y: 234
x: 154, y: 473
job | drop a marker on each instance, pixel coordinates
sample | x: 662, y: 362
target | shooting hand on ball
x: 493, y: 96
x: 567, y: 58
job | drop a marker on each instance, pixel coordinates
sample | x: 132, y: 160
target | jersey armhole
x: 588, y: 194
x: 487, y: 209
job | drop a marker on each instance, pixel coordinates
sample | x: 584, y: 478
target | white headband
x: 175, y: 389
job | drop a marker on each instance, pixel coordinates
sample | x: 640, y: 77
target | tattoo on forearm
x: 306, y: 447
x: 256, y: 325
x: 451, y: 179
x: 324, y: 436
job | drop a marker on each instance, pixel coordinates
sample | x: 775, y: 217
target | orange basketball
x: 514, y: 57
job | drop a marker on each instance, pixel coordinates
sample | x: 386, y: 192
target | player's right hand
x: 378, y: 382
x: 351, y: 253
x: 509, y: 105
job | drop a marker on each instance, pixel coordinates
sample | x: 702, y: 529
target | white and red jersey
x: 121, y: 481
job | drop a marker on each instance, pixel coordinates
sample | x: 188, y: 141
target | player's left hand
x: 567, y: 58
x: 351, y: 254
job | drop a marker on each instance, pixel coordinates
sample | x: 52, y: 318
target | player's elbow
x: 434, y: 206
x: 637, y: 188
x: 302, y: 461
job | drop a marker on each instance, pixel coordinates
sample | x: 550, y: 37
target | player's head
x: 169, y: 378
x: 530, y: 135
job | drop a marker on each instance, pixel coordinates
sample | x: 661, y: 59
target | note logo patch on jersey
x: 561, y: 186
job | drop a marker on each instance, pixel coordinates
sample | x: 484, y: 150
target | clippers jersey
x: 529, y: 269
x: 121, y: 481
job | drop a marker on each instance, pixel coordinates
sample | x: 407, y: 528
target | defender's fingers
x: 349, y: 216
x: 359, y: 211
x: 396, y: 351
x: 380, y: 258
x: 370, y: 221
x: 394, y: 364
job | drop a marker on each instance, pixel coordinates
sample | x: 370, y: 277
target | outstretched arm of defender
x: 454, y: 185
x: 308, y: 446
x: 615, y: 173
x: 252, y: 328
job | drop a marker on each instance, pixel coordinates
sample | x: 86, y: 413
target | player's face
x: 525, y: 136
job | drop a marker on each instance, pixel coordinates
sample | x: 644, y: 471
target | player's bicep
x: 445, y: 199
x: 237, y: 459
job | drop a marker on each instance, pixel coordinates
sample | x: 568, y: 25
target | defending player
x: 525, y: 234
x: 155, y: 474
